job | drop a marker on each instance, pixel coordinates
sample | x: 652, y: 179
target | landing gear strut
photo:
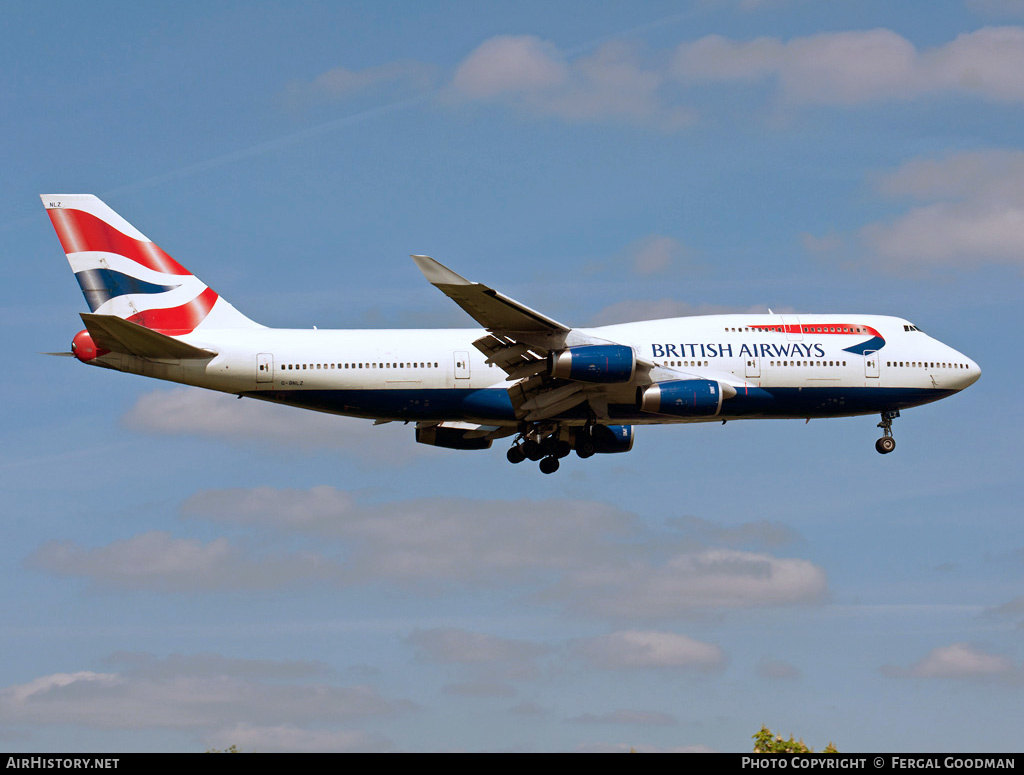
x: 887, y: 443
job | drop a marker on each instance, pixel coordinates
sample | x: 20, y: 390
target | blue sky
x: 184, y: 570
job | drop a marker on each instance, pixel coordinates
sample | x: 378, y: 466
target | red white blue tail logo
x: 124, y: 273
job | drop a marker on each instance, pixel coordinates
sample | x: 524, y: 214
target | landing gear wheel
x: 584, y: 448
x: 549, y: 465
x: 887, y: 443
x: 562, y: 449
x: 533, y: 450
x: 515, y: 454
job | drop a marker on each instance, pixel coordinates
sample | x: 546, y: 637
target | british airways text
x: 719, y: 350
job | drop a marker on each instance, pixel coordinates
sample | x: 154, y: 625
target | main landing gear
x: 548, y: 449
x: 887, y: 443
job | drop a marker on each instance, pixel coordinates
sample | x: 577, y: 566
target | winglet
x: 437, y: 273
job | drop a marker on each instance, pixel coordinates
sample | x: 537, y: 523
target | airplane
x: 554, y: 388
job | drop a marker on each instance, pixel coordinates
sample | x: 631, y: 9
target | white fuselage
x: 781, y: 366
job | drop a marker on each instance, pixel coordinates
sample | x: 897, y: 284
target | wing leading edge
x: 520, y: 341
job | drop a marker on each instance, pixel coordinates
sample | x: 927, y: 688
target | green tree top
x: 765, y: 741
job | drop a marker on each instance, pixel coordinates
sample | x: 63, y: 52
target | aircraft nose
x: 968, y: 376
x: 973, y: 373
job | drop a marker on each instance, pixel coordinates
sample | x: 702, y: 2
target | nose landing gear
x: 887, y: 443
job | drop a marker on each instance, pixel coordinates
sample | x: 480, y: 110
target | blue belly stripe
x: 493, y: 404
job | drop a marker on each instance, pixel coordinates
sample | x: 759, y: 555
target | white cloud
x: 285, y: 738
x: 654, y: 255
x: 205, y: 413
x: 210, y: 664
x: 619, y: 82
x: 1014, y: 607
x: 316, y: 510
x: 510, y: 64
x: 649, y: 649
x: 987, y: 62
x: 432, y: 538
x: 827, y: 243
x: 157, y: 561
x: 853, y: 67
x: 169, y: 697
x: 566, y: 551
x: 688, y: 581
x: 568, y: 544
x: 533, y: 74
x: 979, y: 215
x: 959, y: 660
x: 39, y: 687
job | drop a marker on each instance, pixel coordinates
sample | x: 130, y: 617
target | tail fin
x: 124, y: 273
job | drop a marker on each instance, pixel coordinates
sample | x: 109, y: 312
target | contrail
x: 303, y: 134
x: 271, y: 145
x: 329, y: 126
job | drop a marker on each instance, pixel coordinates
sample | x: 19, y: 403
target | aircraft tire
x: 549, y: 465
x: 515, y: 454
x: 533, y: 450
x: 885, y: 445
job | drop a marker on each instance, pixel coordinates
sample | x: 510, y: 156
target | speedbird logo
x: 876, y: 342
x: 780, y: 349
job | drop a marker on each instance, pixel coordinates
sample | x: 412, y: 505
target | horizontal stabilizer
x: 118, y: 335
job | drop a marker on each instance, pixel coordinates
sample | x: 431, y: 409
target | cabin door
x: 753, y: 367
x: 265, y: 367
x: 871, y: 363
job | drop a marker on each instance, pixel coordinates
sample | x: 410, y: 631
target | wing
x: 521, y: 342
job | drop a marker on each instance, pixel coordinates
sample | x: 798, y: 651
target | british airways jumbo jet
x: 554, y: 388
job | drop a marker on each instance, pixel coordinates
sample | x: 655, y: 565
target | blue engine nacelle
x: 682, y: 398
x: 451, y: 438
x: 604, y: 439
x: 594, y: 363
